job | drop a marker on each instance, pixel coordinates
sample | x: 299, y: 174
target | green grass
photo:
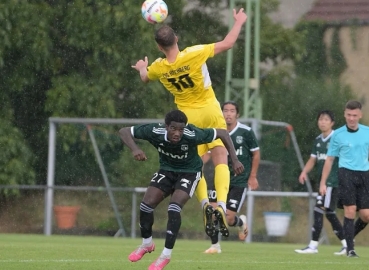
x: 19, y: 251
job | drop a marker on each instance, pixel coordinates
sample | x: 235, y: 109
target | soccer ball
x: 154, y: 11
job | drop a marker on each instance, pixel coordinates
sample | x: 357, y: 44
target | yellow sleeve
x: 153, y: 70
x: 201, y: 52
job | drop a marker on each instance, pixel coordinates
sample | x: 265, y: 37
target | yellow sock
x: 221, y: 182
x: 202, y: 190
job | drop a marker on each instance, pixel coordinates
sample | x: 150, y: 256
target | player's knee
x: 364, y: 215
x: 350, y: 211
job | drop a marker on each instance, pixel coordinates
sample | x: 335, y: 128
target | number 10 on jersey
x: 182, y: 82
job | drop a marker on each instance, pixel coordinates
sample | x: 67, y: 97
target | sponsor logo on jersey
x: 239, y: 139
x: 161, y: 151
x: 321, y: 156
x: 239, y: 151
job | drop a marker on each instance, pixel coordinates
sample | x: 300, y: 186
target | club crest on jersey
x: 239, y: 139
x: 318, y: 145
x: 184, y: 147
x: 184, y: 182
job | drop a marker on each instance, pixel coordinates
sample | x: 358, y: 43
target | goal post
x: 54, y: 122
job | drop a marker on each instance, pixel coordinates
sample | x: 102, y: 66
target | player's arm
x: 228, y: 42
x: 252, y: 181
x: 128, y: 139
x: 226, y: 139
x: 141, y: 67
x: 307, y: 168
x: 325, y: 173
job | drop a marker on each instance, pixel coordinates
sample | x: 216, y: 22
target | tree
x: 73, y: 59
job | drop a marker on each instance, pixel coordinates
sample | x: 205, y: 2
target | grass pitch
x: 80, y: 252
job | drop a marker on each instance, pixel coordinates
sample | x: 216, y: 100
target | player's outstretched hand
x: 139, y: 155
x: 239, y: 16
x: 141, y: 64
x: 237, y: 167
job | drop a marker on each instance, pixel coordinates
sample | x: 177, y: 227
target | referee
x: 350, y: 144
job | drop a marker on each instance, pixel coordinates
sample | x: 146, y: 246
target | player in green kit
x: 328, y: 203
x: 178, y: 175
x: 248, y: 153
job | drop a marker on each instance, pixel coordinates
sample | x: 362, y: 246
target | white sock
x: 223, y: 205
x: 167, y: 251
x: 216, y: 245
x: 203, y: 202
x: 147, y: 241
x: 344, y: 244
x: 313, y: 244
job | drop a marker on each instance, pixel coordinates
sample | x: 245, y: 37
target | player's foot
x: 215, y: 248
x: 343, y: 251
x: 243, y: 231
x: 352, y: 254
x: 138, y: 253
x: 221, y: 217
x: 208, y: 219
x: 160, y: 262
x: 307, y: 250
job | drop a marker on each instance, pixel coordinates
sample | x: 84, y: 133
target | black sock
x: 359, y: 226
x: 336, y: 224
x: 173, y: 225
x: 348, y: 228
x: 215, y: 237
x: 318, y: 224
x: 237, y: 222
x: 146, y: 220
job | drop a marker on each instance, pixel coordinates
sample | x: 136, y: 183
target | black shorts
x: 329, y: 200
x: 235, y: 198
x: 168, y: 181
x: 354, y: 188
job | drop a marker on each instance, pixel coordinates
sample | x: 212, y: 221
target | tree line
x: 73, y: 59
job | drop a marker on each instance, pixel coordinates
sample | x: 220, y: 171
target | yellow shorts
x: 210, y: 116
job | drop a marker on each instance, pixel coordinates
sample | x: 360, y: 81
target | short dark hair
x: 165, y: 36
x: 353, y: 105
x: 326, y: 112
x: 231, y: 103
x: 175, y: 116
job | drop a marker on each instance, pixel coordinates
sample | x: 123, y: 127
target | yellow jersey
x: 187, y: 78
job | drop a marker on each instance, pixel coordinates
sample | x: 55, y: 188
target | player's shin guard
x: 202, y: 191
x: 173, y: 225
x: 359, y: 225
x: 221, y: 182
x: 146, y: 220
x: 336, y: 224
x: 348, y: 229
x: 318, y: 223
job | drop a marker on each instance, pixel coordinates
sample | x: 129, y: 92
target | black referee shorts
x: 354, y: 188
